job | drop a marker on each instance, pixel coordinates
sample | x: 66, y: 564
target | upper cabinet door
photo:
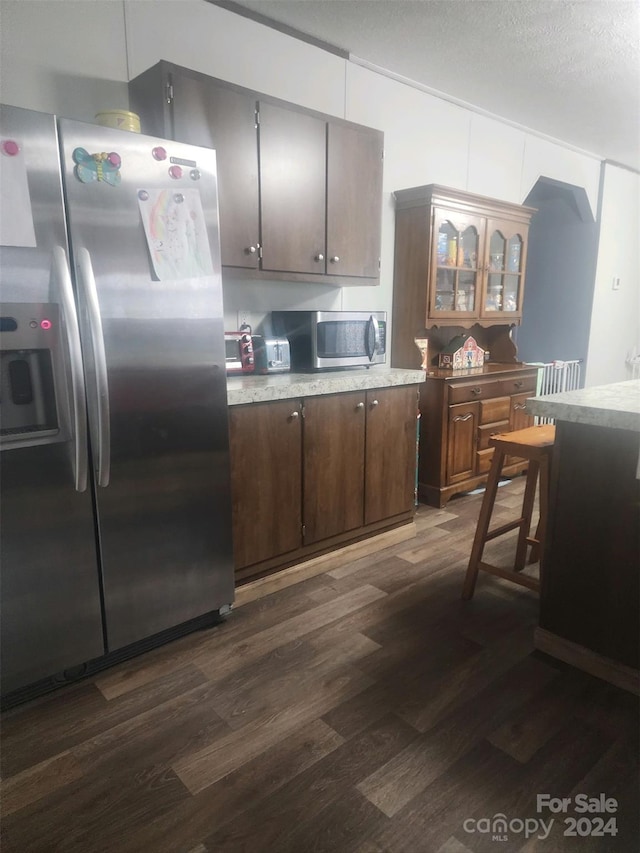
x: 505, y: 250
x: 223, y: 118
x: 354, y: 190
x: 293, y: 190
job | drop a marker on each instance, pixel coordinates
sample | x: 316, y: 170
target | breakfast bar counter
x: 590, y: 591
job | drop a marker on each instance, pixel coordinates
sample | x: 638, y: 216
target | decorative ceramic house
x: 461, y: 353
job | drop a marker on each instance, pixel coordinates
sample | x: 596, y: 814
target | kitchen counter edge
x: 263, y: 389
x: 616, y: 406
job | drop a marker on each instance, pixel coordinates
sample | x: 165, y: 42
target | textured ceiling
x: 569, y: 69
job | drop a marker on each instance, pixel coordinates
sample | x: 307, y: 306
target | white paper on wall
x: 176, y: 233
x: 16, y: 216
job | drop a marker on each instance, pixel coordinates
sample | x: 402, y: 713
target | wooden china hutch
x: 459, y: 269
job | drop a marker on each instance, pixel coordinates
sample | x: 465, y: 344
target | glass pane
x: 493, y: 300
x: 469, y: 241
x: 466, y: 295
x: 514, y: 254
x: 447, y: 245
x: 497, y: 248
x: 457, y: 249
x: 444, y: 290
x: 511, y: 284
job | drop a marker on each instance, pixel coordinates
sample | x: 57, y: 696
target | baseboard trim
x: 318, y: 565
x: 615, y: 673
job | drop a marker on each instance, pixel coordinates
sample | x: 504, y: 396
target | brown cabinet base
x: 284, y: 561
x: 460, y: 412
x: 310, y: 475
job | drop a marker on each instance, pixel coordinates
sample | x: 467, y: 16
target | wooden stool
x: 535, y: 444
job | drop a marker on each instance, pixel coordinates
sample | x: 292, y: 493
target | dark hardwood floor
x: 364, y: 710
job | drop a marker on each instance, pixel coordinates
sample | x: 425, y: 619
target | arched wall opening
x: 560, y: 274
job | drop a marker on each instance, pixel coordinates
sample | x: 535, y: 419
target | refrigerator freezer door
x: 50, y: 616
x: 143, y: 223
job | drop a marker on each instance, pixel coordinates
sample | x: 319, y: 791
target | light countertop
x: 283, y: 386
x: 616, y: 406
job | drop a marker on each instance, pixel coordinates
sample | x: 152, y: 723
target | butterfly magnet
x: 97, y: 167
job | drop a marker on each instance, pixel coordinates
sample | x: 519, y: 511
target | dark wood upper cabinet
x: 354, y: 191
x: 225, y: 119
x: 300, y: 192
x: 292, y: 190
x: 177, y: 104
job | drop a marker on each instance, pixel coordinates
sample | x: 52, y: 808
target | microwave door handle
x: 89, y: 293
x: 62, y: 282
x: 373, y: 323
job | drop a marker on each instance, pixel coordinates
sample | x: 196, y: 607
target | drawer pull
x: 517, y: 407
x: 518, y: 384
x: 463, y: 417
x: 476, y: 390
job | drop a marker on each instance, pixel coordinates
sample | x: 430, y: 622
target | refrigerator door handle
x: 62, y: 280
x: 87, y: 286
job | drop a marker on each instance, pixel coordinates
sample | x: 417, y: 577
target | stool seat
x: 534, y: 444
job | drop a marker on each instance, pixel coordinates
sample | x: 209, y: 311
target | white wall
x: 63, y: 57
x: 615, y: 319
x: 74, y: 57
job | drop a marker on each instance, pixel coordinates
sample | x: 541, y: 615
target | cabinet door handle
x: 334, y: 259
x: 359, y: 406
x: 319, y: 257
x: 294, y: 415
x: 251, y: 250
x: 463, y: 417
x: 374, y: 403
x: 476, y: 390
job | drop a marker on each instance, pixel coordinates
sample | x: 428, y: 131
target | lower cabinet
x: 459, y: 416
x: 312, y: 474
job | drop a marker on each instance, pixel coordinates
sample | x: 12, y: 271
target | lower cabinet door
x: 519, y: 417
x: 390, y: 463
x: 266, y: 465
x: 461, y: 441
x: 333, y: 468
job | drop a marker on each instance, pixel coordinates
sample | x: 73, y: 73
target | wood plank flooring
x: 367, y: 709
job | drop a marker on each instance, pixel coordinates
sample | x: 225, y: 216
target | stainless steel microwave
x: 321, y: 340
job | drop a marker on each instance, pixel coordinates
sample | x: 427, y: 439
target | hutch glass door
x: 457, y: 269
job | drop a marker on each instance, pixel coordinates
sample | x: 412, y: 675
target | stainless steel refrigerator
x: 115, y: 483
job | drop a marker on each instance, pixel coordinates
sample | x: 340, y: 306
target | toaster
x: 271, y: 355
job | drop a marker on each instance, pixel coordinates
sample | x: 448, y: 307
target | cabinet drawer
x: 518, y: 384
x: 477, y: 390
x: 485, y: 433
x: 494, y: 410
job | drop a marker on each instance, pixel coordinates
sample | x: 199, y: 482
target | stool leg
x: 541, y: 530
x: 527, y: 511
x: 483, y: 524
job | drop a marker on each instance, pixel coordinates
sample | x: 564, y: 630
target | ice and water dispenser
x: 32, y: 375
